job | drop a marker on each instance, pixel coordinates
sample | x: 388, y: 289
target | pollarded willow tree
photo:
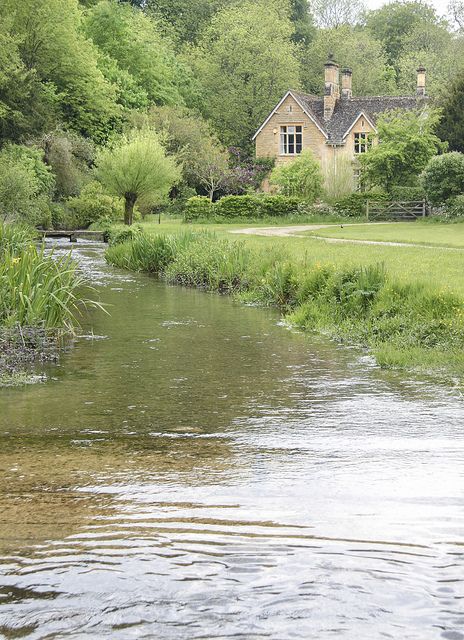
x: 137, y: 169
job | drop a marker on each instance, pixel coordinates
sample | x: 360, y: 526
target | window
x: 291, y: 139
x: 361, y: 142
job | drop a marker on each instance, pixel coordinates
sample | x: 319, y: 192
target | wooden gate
x: 410, y: 210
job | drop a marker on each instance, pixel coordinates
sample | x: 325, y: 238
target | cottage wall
x: 289, y: 113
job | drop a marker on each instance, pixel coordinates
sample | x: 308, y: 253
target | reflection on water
x: 194, y: 470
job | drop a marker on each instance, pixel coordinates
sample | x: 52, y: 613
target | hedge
x: 247, y: 206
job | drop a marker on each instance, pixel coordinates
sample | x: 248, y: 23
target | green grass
x: 438, y: 268
x: 441, y: 235
x: 405, y: 323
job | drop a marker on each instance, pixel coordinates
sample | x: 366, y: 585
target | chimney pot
x: 347, y: 91
x: 331, y: 86
x: 420, y: 89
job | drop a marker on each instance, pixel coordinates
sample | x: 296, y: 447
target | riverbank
x: 41, y: 297
x: 409, y: 325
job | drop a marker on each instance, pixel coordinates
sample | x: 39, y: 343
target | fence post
x: 367, y: 210
x: 424, y: 208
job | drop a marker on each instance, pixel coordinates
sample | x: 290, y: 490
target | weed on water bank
x: 41, y: 299
x: 404, y: 325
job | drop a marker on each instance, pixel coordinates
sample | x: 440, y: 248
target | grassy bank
x: 404, y: 324
x: 40, y: 300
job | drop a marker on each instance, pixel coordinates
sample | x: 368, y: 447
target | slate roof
x: 347, y: 111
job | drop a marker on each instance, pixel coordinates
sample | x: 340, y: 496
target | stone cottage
x: 336, y: 127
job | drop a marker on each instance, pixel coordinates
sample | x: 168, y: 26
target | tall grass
x: 37, y: 289
x: 405, y: 325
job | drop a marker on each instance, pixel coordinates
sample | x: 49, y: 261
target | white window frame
x: 291, y: 137
x: 361, y: 142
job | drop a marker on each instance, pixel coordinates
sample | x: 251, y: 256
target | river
x: 193, y: 469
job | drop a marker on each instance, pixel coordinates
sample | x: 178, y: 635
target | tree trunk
x: 129, y: 203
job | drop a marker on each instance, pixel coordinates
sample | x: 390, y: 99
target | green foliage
x: 451, y: 127
x: 455, y: 207
x: 443, y: 177
x: 404, y: 194
x: 185, y: 19
x: 36, y: 289
x: 351, y: 48
x: 15, y: 237
x: 408, y: 142
x: 243, y: 75
x: 138, y: 59
x: 300, y: 178
x: 25, y: 183
x: 51, y: 43
x: 137, y: 169
x: 392, y: 24
x: 355, y: 204
x: 189, y: 137
x: 119, y: 235
x: 198, y: 207
x: 70, y: 157
x: 92, y: 205
x: 238, y: 207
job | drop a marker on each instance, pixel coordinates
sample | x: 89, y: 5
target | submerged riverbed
x: 192, y: 469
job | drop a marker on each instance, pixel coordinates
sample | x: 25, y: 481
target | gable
x: 291, y: 103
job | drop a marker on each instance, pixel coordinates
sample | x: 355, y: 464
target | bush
x: 443, y: 177
x: 93, y: 204
x: 355, y: 204
x: 300, y: 178
x: 275, y: 206
x: 118, y: 235
x: 238, y: 207
x: 407, y: 193
x: 198, y: 207
x: 455, y: 207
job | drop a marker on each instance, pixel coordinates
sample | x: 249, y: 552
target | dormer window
x: 291, y: 139
x: 361, y: 142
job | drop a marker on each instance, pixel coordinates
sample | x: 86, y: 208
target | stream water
x: 192, y: 469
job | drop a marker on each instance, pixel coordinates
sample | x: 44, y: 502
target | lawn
x: 449, y: 235
x: 438, y: 267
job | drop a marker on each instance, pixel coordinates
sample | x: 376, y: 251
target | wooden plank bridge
x: 74, y: 235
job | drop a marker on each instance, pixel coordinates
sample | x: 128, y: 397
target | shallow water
x: 193, y: 469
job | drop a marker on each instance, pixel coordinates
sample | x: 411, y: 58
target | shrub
x: 93, y: 204
x: 455, y: 207
x: 238, y: 207
x: 118, y: 235
x: 25, y: 182
x: 355, y: 204
x: 301, y: 178
x: 443, y: 177
x: 407, y: 193
x: 198, y: 207
x: 275, y: 206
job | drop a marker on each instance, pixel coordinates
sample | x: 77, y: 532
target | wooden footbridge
x: 73, y: 236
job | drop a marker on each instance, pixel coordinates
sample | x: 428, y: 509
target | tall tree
x: 185, y: 18
x: 407, y: 142
x: 330, y: 14
x: 53, y: 48
x: 302, y: 19
x: 242, y: 73
x: 354, y: 48
x: 451, y: 127
x: 138, y: 57
x: 393, y: 22
x: 456, y: 13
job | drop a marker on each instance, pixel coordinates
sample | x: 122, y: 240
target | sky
x: 440, y: 5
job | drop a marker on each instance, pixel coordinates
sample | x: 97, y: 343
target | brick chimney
x: 420, y: 90
x: 332, y: 89
x: 347, y: 91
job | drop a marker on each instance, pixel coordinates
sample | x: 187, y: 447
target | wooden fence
x: 410, y: 210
